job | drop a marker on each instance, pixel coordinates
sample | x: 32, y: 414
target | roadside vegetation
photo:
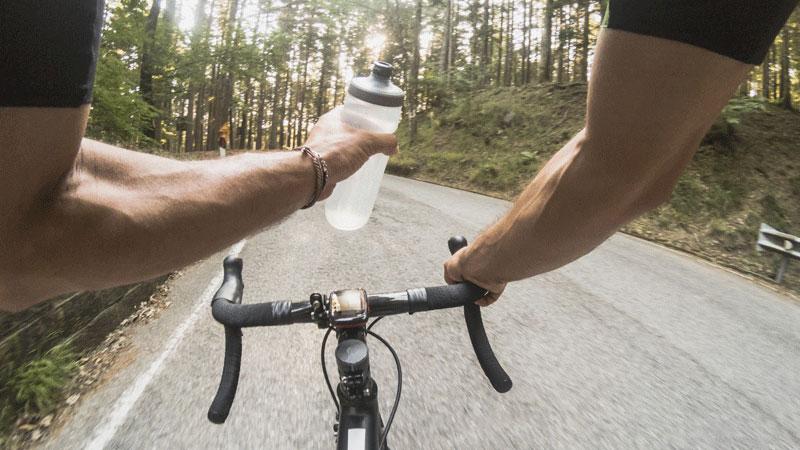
x: 746, y: 172
x: 35, y: 389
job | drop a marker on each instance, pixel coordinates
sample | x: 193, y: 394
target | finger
x: 326, y: 192
x: 452, y: 272
x: 486, y: 301
x: 385, y: 143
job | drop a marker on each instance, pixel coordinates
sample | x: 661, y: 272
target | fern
x: 38, y: 385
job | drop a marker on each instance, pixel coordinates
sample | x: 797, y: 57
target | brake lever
x: 477, y: 335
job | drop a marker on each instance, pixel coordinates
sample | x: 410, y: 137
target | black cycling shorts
x: 48, y: 51
x: 739, y: 29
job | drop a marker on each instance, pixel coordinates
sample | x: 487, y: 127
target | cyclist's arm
x: 650, y: 103
x: 78, y: 214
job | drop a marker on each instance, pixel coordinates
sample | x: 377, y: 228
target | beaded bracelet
x: 320, y: 174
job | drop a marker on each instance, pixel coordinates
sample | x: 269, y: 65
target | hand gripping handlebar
x: 477, y: 334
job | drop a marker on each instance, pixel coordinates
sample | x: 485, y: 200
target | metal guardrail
x: 784, y: 244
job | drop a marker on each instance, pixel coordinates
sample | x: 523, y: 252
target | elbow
x: 638, y: 177
x: 17, y: 293
x: 13, y: 298
x: 31, y: 269
x: 653, y: 196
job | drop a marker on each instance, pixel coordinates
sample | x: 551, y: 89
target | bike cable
x: 399, y: 384
x: 374, y: 322
x: 325, y: 371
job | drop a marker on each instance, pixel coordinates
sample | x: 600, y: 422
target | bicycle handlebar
x: 477, y: 333
x: 229, y: 294
x: 228, y: 310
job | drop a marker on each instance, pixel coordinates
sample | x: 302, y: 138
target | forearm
x: 122, y: 216
x: 650, y: 103
x: 580, y: 197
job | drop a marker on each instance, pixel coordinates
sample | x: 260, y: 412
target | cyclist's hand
x: 460, y: 268
x: 344, y: 148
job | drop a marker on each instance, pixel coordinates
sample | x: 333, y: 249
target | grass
x: 747, y: 170
x: 37, y: 387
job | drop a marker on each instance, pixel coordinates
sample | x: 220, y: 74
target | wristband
x: 320, y: 174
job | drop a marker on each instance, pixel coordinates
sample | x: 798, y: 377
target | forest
x: 174, y: 74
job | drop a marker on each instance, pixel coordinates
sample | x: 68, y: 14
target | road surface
x: 633, y: 346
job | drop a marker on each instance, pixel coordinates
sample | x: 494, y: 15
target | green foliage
x: 402, y: 165
x: 794, y: 183
x: 725, y: 196
x: 743, y: 105
x: 722, y: 134
x: 492, y: 176
x: 687, y: 197
x: 773, y: 213
x: 527, y: 157
x: 485, y: 117
x: 694, y: 197
x: 119, y: 113
x: 38, y: 385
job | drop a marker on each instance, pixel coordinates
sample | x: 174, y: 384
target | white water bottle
x: 374, y: 104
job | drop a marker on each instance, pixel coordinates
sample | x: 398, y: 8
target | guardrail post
x: 782, y: 269
x: 784, y: 244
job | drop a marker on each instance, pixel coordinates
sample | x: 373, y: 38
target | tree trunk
x: 786, y: 80
x: 485, y: 34
x: 214, y: 100
x: 199, y: 116
x: 498, y: 79
x: 765, y: 84
x: 328, y: 55
x: 273, y: 123
x: 446, y: 55
x: 189, y: 123
x: 474, y: 39
x: 509, y: 56
x: 147, y: 69
x: 262, y: 106
x: 744, y: 88
x: 452, y: 47
x: 530, y: 72
x: 290, y: 106
x: 546, y: 43
x: 194, y: 134
x: 587, y: 11
x: 244, y: 128
x: 299, y: 131
x: 774, y: 57
x: 414, y: 82
x: 561, y: 37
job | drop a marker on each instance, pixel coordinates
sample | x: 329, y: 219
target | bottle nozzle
x: 382, y: 69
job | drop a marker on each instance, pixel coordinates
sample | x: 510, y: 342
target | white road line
x: 124, y: 404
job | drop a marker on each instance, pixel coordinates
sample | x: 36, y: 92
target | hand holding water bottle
x: 344, y: 148
x: 372, y: 104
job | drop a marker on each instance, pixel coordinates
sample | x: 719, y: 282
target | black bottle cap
x: 377, y: 88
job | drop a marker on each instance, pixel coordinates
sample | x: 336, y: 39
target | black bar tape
x: 223, y: 400
x: 417, y: 300
x: 453, y: 295
x: 254, y: 315
x: 480, y: 343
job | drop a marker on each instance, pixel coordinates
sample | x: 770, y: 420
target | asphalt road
x: 633, y: 346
